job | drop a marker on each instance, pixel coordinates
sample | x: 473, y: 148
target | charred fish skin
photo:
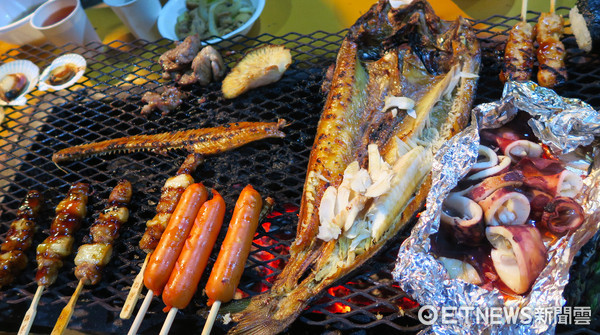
x: 437, y: 64
x: 205, y: 141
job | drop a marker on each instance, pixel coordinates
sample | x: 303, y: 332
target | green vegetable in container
x: 212, y: 17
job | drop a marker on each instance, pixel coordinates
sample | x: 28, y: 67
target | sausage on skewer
x: 163, y: 258
x: 192, y: 261
x: 170, y: 195
x: 18, y: 238
x: 551, y: 51
x: 169, y: 247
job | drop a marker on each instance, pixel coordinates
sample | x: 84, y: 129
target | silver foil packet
x: 562, y: 124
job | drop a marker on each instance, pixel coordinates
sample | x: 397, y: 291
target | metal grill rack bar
x: 106, y: 105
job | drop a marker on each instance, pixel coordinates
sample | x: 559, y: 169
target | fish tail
x: 270, y: 313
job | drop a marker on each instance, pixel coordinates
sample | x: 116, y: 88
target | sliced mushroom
x: 518, y: 255
x: 463, y: 219
x: 505, y: 206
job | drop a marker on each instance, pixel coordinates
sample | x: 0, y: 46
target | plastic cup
x: 59, y: 29
x: 139, y: 16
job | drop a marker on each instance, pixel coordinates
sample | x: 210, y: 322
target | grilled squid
x: 518, y: 255
x: 562, y: 215
x: 501, y: 167
x: 486, y: 158
x: 463, y: 218
x: 491, y: 184
x: 505, y: 206
x: 550, y: 176
x: 512, y: 145
x: 537, y: 201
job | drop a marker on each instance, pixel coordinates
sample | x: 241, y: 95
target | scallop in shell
x: 63, y: 72
x: 17, y: 78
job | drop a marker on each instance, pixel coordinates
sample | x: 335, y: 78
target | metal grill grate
x: 107, y: 106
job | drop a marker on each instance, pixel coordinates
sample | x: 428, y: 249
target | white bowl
x: 19, y: 32
x: 171, y: 11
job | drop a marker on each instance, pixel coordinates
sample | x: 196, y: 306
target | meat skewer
x: 227, y: 271
x: 551, y: 51
x: 92, y: 257
x: 70, y: 212
x: 163, y: 258
x: 518, y: 53
x: 18, y: 238
x: 171, y: 193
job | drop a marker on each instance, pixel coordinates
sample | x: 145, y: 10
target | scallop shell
x: 31, y: 72
x: 76, y: 59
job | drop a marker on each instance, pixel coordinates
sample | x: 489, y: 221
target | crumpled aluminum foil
x: 563, y: 124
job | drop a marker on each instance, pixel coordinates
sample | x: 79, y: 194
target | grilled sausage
x: 227, y: 271
x: 192, y: 261
x: 169, y: 247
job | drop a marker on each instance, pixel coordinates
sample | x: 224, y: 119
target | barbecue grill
x: 107, y: 105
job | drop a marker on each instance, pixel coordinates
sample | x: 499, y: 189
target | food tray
x: 107, y: 105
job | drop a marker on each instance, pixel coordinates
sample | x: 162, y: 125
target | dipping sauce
x: 58, y: 15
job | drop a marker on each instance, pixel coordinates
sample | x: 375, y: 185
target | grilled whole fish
x: 403, y: 84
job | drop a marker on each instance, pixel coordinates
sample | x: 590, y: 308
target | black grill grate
x: 107, y: 106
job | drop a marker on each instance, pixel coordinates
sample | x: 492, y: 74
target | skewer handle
x: 168, y: 321
x: 524, y: 10
x: 31, y: 312
x: 214, y: 310
x: 65, y: 315
x: 134, y: 292
x: 141, y: 313
x: 552, y: 6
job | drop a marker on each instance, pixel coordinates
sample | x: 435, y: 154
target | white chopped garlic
x: 396, y: 103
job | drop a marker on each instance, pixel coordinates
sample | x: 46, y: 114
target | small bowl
x: 75, y: 59
x: 31, y: 72
x: 171, y: 11
x: 19, y: 32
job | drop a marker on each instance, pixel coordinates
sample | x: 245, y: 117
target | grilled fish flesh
x: 403, y: 84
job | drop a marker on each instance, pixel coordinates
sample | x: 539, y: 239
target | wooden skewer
x: 134, y: 292
x: 168, y: 321
x: 141, y: 313
x: 214, y: 310
x: 552, y: 6
x: 524, y: 10
x: 65, y: 315
x: 31, y: 312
